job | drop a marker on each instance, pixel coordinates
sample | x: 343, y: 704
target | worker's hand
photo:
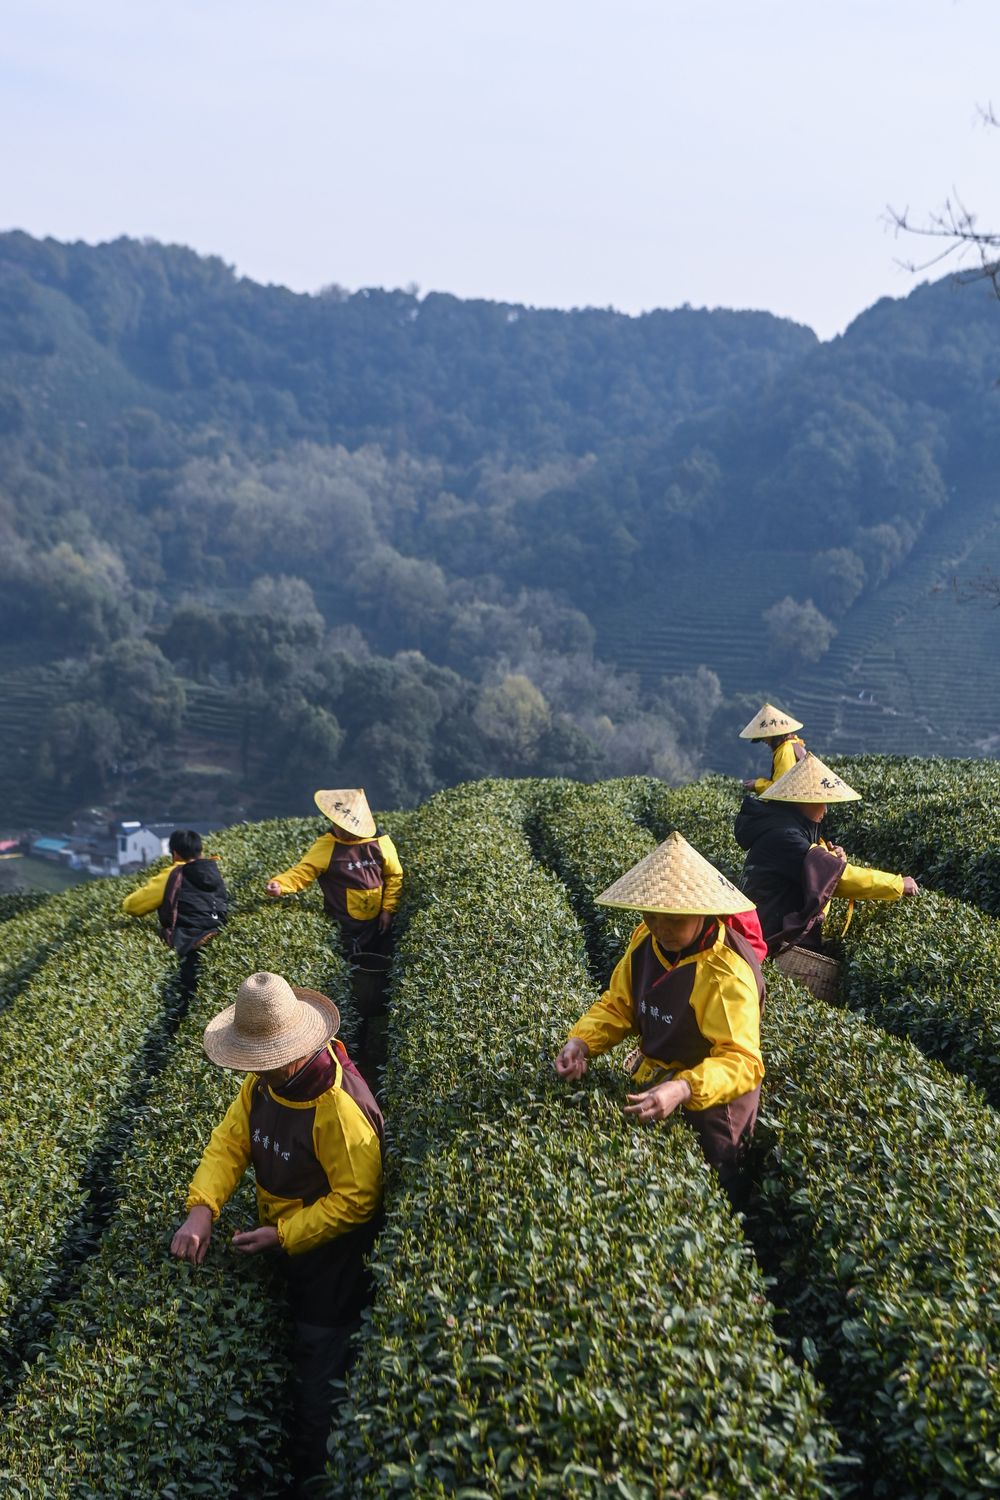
x: 190, y: 1241
x: 836, y: 849
x: 658, y: 1103
x: 273, y: 888
x: 910, y: 887
x: 571, y: 1062
x: 385, y: 920
x: 253, y: 1241
x: 749, y: 785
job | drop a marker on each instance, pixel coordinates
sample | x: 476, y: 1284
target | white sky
x: 634, y: 153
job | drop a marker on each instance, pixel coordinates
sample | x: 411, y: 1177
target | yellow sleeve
x: 348, y: 1148
x: 782, y: 760
x: 312, y: 863
x: 392, y: 874
x: 727, y: 1010
x: 148, y: 897
x: 611, y: 1018
x: 860, y: 884
x: 226, y: 1156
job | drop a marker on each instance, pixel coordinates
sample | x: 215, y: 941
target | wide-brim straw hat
x: 271, y: 1025
x: 348, y: 808
x: 677, y: 880
x: 767, y: 722
x: 810, y: 781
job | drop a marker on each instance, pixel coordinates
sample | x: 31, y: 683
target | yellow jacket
x: 858, y: 883
x: 149, y: 896
x: 783, y: 758
x: 332, y: 1132
x: 726, y: 1009
x: 362, y: 900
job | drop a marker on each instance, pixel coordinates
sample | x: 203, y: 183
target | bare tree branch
x: 957, y: 225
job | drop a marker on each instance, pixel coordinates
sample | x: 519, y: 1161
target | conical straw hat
x: 810, y: 781
x: 768, y: 721
x: 676, y: 879
x: 270, y: 1025
x: 348, y: 808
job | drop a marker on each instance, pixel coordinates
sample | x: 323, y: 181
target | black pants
x: 327, y: 1288
x: 189, y: 971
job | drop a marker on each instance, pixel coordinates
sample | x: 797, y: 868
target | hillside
x: 249, y: 534
x: 536, y: 1241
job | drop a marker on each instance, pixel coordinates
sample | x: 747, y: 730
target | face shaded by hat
x: 769, y: 722
x: 810, y: 783
x: 271, y: 1025
x: 347, y: 808
x: 677, y: 880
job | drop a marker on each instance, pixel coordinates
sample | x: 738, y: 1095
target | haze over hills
x: 250, y: 535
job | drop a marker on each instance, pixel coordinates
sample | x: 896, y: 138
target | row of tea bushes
x: 929, y: 969
x: 30, y: 937
x: 15, y: 903
x: 929, y: 819
x: 161, y: 1378
x: 881, y: 1218
x: 565, y: 1306
x: 74, y: 1041
x: 880, y: 1215
x: 579, y: 837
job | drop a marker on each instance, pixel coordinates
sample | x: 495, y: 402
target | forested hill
x: 248, y: 535
x: 183, y: 336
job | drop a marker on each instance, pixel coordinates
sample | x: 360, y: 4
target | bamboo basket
x: 818, y: 973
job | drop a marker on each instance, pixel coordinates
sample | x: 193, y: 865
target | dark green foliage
x: 521, y: 1282
x: 251, y: 480
x: 928, y: 968
x: 14, y: 903
x: 882, y: 1221
x: 933, y: 819
x: 74, y: 1039
x: 879, y: 1215
x: 578, y: 831
x: 159, y: 1378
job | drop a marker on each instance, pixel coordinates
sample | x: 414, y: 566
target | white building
x: 139, y: 845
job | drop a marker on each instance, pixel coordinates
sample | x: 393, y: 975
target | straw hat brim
x: 318, y: 1021
x: 809, y: 781
x: 778, y: 723
x: 326, y: 801
x: 677, y: 881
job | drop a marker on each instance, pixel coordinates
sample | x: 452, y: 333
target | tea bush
x: 73, y: 1040
x: 879, y: 1213
x: 928, y: 968
x: 579, y: 835
x: 522, y: 1286
x: 15, y: 903
x: 934, y: 820
x: 159, y: 1377
x: 881, y: 1216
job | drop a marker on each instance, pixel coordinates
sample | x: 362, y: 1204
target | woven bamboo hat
x: 768, y: 721
x: 348, y: 808
x: 676, y: 879
x: 271, y: 1025
x: 810, y: 781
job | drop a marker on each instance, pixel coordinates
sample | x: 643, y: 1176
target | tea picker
x: 690, y: 988
x: 361, y: 878
x: 777, y: 730
x: 307, y: 1122
x: 790, y: 870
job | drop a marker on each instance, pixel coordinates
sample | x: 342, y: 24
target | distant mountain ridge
x: 202, y: 478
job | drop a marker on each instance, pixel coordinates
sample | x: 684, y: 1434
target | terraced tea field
x: 565, y: 1303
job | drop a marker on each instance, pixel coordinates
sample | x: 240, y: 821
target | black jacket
x: 789, y: 884
x: 195, y: 905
